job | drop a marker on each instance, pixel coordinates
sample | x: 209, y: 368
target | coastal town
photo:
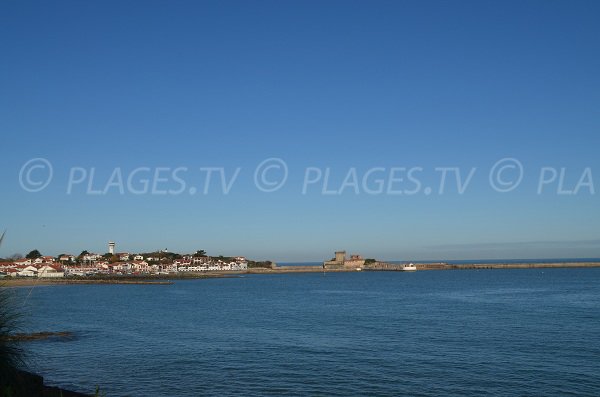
x: 165, y: 264
x: 159, y: 262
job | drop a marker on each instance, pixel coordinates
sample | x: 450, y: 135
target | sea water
x: 427, y: 333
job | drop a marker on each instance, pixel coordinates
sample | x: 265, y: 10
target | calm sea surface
x: 429, y: 333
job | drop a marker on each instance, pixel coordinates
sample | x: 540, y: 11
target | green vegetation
x: 224, y: 258
x: 11, y: 355
x: 110, y: 257
x: 368, y: 261
x: 162, y: 255
x: 13, y: 381
x: 260, y: 264
x: 80, y: 257
x: 34, y: 255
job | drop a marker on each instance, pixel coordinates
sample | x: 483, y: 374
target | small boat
x: 409, y: 268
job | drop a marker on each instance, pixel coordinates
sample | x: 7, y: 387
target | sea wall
x: 384, y: 266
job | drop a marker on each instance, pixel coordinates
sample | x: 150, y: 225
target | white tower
x: 111, y: 248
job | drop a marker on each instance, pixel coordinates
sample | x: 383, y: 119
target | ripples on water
x: 435, y: 333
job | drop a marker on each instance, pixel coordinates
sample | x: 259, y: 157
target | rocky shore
x: 27, y: 384
x: 39, y: 336
x: 132, y: 280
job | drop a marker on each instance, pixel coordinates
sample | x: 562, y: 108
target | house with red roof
x: 50, y: 271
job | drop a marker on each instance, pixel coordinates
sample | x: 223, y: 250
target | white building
x: 67, y: 258
x: 27, y: 271
x: 91, y: 257
x: 171, y: 267
x: 50, y: 271
x: 139, y: 266
x: 239, y: 266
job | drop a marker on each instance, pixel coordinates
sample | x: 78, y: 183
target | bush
x: 11, y: 354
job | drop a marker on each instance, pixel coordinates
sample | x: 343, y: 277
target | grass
x: 11, y: 354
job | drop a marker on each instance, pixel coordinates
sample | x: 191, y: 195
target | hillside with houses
x: 123, y: 263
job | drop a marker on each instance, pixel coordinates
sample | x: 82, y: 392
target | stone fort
x: 341, y: 262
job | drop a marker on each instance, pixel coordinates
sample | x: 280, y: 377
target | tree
x: 262, y: 264
x: 199, y: 254
x: 34, y: 255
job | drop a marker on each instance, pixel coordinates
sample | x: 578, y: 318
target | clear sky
x: 317, y: 84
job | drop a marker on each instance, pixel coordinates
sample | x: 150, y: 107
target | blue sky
x: 318, y: 84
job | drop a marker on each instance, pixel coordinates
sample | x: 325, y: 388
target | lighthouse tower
x: 111, y: 248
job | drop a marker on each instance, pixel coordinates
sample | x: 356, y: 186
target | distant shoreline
x: 170, y: 279
x: 388, y: 267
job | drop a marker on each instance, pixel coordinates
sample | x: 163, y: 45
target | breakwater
x: 384, y: 266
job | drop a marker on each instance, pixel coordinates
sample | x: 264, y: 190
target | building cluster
x: 340, y: 261
x: 128, y: 264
